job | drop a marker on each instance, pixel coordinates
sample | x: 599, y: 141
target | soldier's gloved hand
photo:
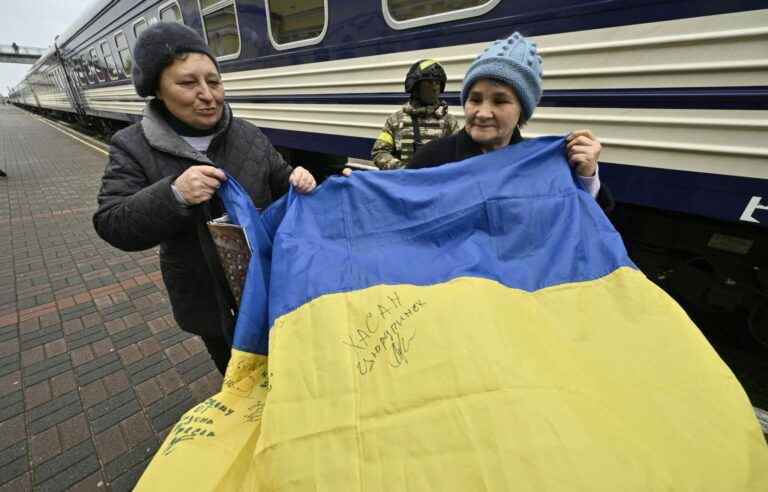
x: 392, y: 164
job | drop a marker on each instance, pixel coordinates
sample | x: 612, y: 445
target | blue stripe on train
x: 710, y: 195
x: 742, y: 98
x: 738, y: 98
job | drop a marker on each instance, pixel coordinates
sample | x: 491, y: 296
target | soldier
x: 422, y: 119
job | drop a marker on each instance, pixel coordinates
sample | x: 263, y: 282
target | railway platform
x: 93, y: 369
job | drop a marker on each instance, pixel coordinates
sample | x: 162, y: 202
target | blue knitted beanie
x: 513, y: 61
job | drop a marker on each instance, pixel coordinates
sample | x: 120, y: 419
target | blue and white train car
x: 677, y: 90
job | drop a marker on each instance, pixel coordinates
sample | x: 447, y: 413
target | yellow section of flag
x: 470, y: 385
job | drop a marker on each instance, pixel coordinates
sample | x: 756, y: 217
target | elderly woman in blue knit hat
x: 160, y: 182
x: 501, y: 89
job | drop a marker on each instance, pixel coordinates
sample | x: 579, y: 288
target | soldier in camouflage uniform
x: 422, y: 119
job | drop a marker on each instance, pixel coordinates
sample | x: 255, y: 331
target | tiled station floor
x: 93, y: 369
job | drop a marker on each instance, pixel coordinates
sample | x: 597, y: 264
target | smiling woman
x: 500, y: 92
x: 493, y: 112
x: 160, y: 184
x: 191, y: 89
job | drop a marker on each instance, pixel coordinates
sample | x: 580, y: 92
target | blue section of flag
x: 515, y: 216
x: 251, y: 328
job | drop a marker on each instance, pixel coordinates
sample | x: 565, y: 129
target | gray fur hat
x: 157, y: 47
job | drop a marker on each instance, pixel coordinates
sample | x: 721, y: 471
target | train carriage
x: 675, y: 89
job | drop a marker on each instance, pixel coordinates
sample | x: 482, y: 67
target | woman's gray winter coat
x: 137, y: 209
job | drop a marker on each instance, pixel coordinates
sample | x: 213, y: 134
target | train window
x: 294, y: 23
x: 403, y: 14
x: 75, y: 71
x: 204, y: 4
x: 106, y: 51
x: 221, y: 28
x: 83, y: 70
x: 124, y: 52
x: 138, y: 27
x: 98, y: 64
x: 90, y: 72
x: 60, y: 80
x: 78, y: 71
x: 171, y: 13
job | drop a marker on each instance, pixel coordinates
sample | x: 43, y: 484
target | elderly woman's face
x: 192, y: 91
x: 492, y: 111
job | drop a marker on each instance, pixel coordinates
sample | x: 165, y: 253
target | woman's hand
x: 583, y: 152
x: 302, y: 180
x: 198, y: 183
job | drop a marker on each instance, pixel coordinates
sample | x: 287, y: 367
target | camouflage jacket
x: 394, y: 146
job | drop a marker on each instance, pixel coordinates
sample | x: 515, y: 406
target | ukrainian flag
x: 477, y: 326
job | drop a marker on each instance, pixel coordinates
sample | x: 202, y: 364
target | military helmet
x: 425, y: 70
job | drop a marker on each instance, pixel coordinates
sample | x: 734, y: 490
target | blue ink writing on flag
x: 371, y: 341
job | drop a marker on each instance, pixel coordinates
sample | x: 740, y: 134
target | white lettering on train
x: 754, y: 204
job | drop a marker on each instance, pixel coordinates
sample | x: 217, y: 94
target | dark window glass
x: 171, y: 13
x: 127, y: 61
x: 124, y: 53
x: 73, y: 71
x: 79, y: 71
x: 90, y: 71
x: 109, y: 60
x: 221, y: 31
x: 139, y: 27
x: 98, y: 63
x: 296, y: 20
x: 121, y: 41
x: 402, y: 10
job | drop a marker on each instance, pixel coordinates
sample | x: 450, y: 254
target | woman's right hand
x: 198, y: 183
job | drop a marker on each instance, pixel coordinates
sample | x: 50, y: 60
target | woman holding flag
x: 163, y: 172
x: 501, y: 90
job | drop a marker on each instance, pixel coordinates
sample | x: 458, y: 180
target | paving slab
x: 93, y: 368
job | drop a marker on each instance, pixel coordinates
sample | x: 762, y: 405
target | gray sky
x: 33, y: 23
